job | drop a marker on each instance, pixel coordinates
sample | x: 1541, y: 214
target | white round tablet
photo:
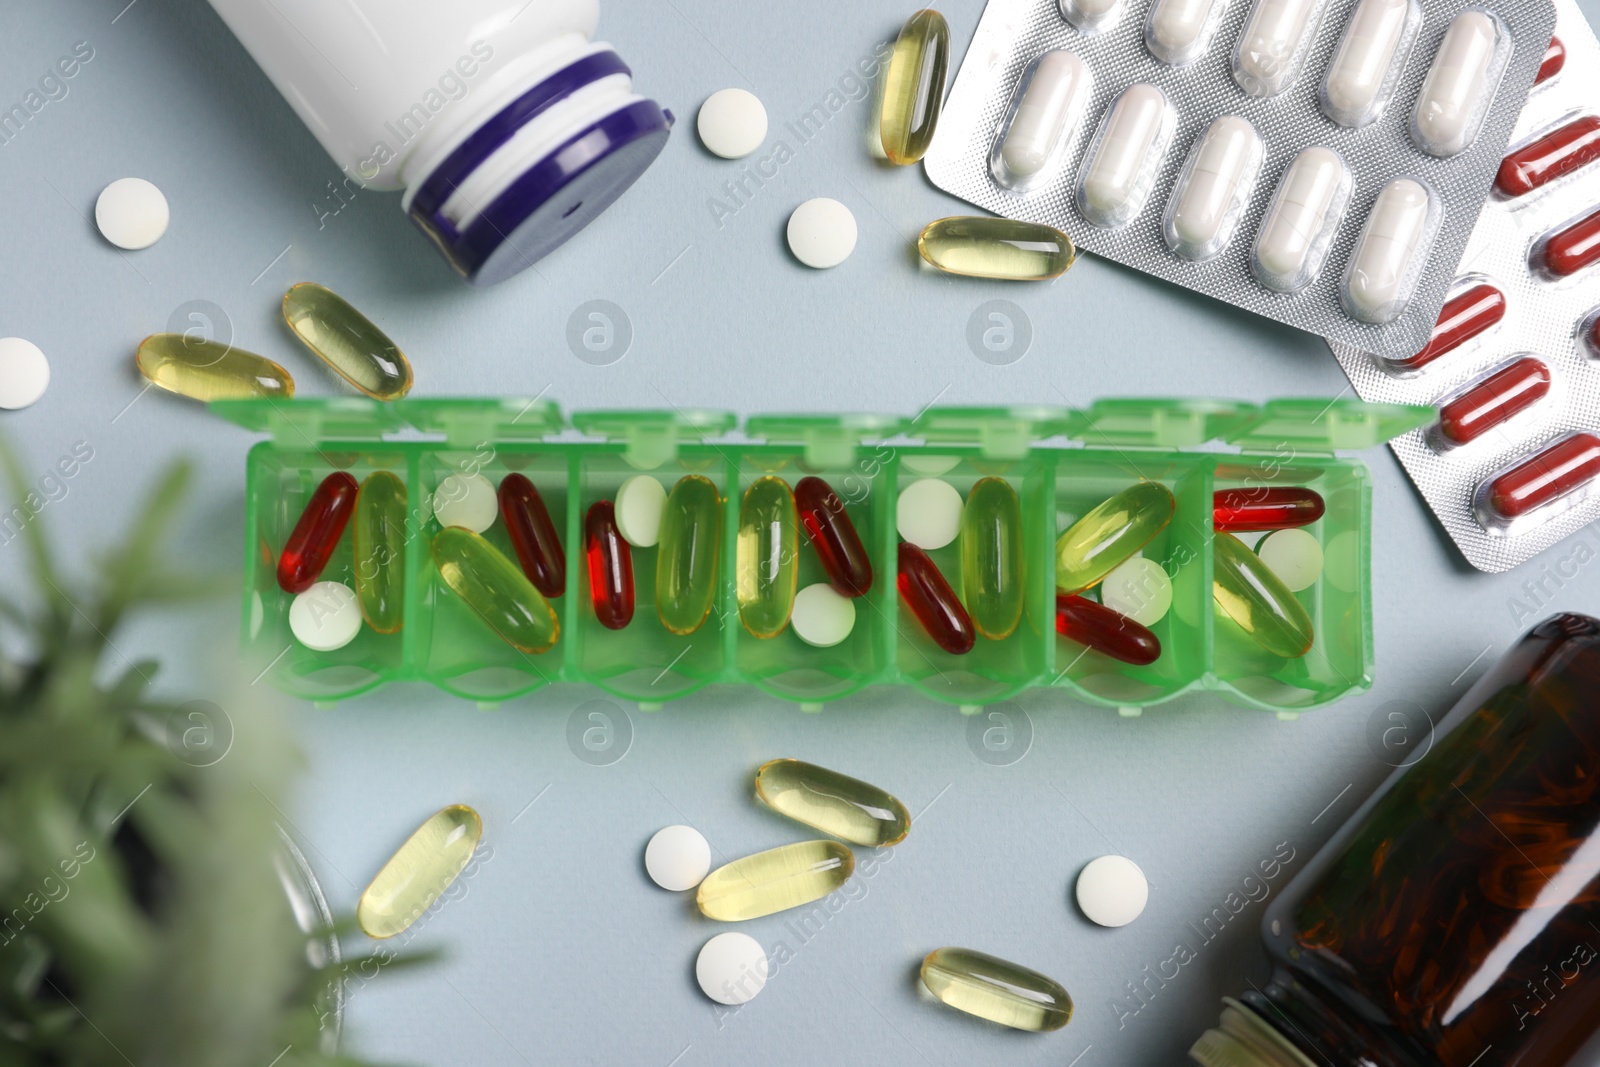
x: 929, y: 513
x: 732, y: 123
x: 131, y: 213
x: 24, y: 373
x: 822, y: 233
x: 1112, y: 891
x: 821, y: 617
x: 639, y: 504
x: 1139, y: 589
x: 466, y: 500
x: 325, y: 617
x: 731, y: 968
x: 1293, y: 555
x: 677, y: 858
x: 932, y: 466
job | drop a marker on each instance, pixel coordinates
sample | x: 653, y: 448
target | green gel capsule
x: 380, y: 546
x: 995, y: 989
x: 686, y: 563
x: 496, y: 589
x: 347, y: 341
x: 767, y: 556
x: 991, y: 557
x: 913, y: 89
x: 1112, y: 532
x: 1008, y: 249
x: 775, y: 880
x: 1252, y: 596
x: 206, y: 370
x: 420, y: 871
x: 849, y: 809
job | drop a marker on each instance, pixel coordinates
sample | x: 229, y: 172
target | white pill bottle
x: 506, y: 128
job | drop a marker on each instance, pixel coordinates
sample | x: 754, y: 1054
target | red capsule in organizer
x: 1539, y: 162
x: 1563, y: 468
x: 1464, y: 316
x: 532, y: 535
x: 1082, y: 620
x: 1495, y: 399
x: 930, y: 598
x: 317, y: 533
x: 834, y: 536
x: 1570, y: 250
x: 610, y: 563
x: 1265, y: 507
x: 1555, y: 57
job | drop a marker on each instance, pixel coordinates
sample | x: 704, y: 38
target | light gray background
x: 559, y: 948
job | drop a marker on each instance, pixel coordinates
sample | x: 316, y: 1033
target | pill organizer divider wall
x: 1062, y: 463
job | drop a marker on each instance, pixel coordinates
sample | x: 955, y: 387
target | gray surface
x: 559, y: 949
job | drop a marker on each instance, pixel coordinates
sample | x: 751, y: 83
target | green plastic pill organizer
x: 1061, y: 462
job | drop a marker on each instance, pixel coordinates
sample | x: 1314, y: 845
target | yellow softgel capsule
x: 775, y: 880
x: 767, y: 557
x: 419, y: 871
x: 496, y: 589
x: 207, y: 370
x: 1007, y: 249
x: 996, y: 989
x: 913, y: 90
x: 848, y: 808
x: 1092, y: 547
x: 347, y: 341
x: 1253, y: 596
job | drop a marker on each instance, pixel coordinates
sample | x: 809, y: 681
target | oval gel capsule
x: 1459, y: 85
x: 1300, y: 221
x: 1090, y: 16
x: 1558, y: 472
x: 1572, y: 249
x: 1177, y: 31
x: 1463, y: 317
x: 1045, y: 112
x: 1491, y: 401
x: 1213, y: 188
x: 1125, y: 156
x: 1563, y: 150
x: 1270, y: 48
x: 1364, y: 70
x: 1388, y: 255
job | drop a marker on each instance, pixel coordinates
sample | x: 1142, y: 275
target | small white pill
x: 1299, y: 224
x: 132, y: 213
x: 1454, y: 96
x: 24, y: 373
x: 1139, y: 589
x: 1267, y: 57
x: 931, y: 466
x: 821, y: 617
x: 731, y: 968
x: 928, y: 513
x: 1127, y: 152
x: 1112, y: 891
x: 1176, y: 30
x: 677, y: 858
x: 732, y: 123
x: 1294, y: 556
x: 1049, y: 110
x: 822, y: 233
x: 1353, y: 91
x: 639, y: 504
x: 1381, y: 273
x: 1216, y: 181
x: 466, y: 500
x: 325, y: 617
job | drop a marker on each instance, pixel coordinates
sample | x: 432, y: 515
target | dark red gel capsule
x: 1266, y: 507
x: 1562, y: 468
x: 533, y: 535
x: 321, y: 525
x: 1555, y: 57
x: 1494, y: 400
x: 933, y: 602
x: 1082, y: 620
x: 1464, y: 316
x: 1561, y: 151
x: 834, y: 536
x: 1575, y: 247
x: 610, y: 563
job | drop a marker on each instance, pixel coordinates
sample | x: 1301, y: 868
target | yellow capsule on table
x: 775, y: 880
x: 420, y: 871
x: 496, y: 589
x: 380, y: 550
x: 995, y: 989
x: 992, y: 558
x: 848, y: 808
x: 207, y: 370
x: 1008, y: 249
x: 767, y: 557
x: 347, y: 341
x: 913, y: 90
x: 1254, y: 597
x: 1092, y: 547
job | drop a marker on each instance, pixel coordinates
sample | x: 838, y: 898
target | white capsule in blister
x: 1388, y: 256
x: 1091, y: 16
x: 1368, y: 62
x: 1269, y: 52
x: 1459, y: 85
x: 1177, y: 31
x: 1210, y: 193
x: 1300, y: 221
x: 1126, y: 153
x: 1045, y: 112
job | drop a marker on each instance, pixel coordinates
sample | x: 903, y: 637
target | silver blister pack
x: 1222, y: 66
x: 1545, y: 321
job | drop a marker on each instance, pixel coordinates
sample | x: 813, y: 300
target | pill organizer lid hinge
x: 999, y: 433
x: 1156, y: 422
x: 473, y: 422
x: 1317, y: 425
x: 653, y: 437
x: 308, y: 422
x: 830, y: 442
